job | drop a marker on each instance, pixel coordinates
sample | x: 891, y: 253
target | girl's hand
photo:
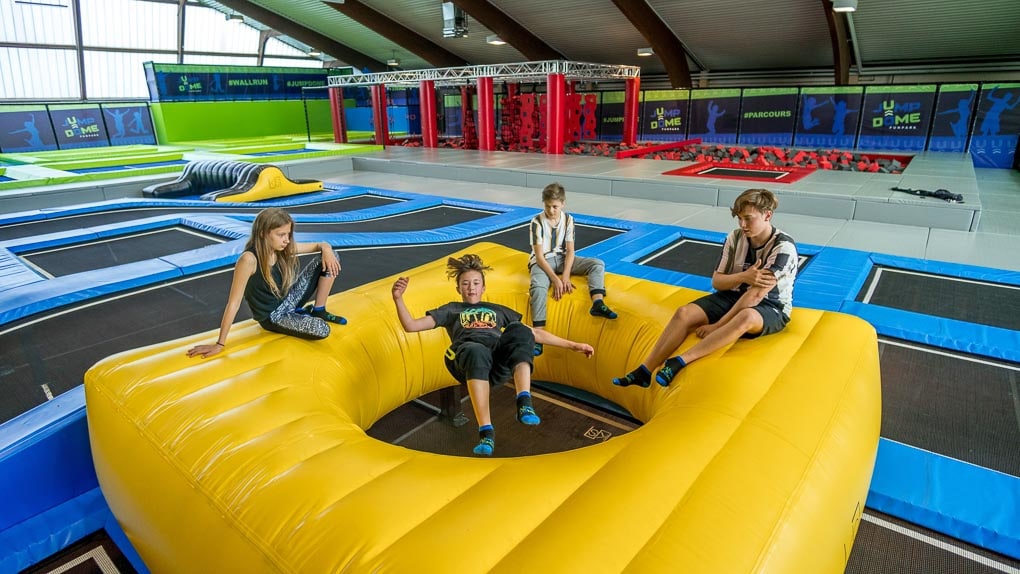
x: 205, y: 351
x: 330, y: 264
x: 585, y: 348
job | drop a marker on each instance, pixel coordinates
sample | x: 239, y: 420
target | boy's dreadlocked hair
x: 470, y: 262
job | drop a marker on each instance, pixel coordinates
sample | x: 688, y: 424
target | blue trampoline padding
x: 973, y: 272
x: 37, y: 297
x: 962, y: 500
x: 703, y: 235
x: 984, y: 340
x: 14, y: 272
x: 84, y: 234
x: 206, y: 258
x: 639, y: 241
x: 40, y: 536
x: 45, y: 458
x: 696, y: 282
x: 834, y: 276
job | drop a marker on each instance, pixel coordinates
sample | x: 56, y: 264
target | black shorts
x: 472, y: 360
x: 717, y: 304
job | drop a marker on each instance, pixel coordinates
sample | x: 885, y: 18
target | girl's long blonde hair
x: 266, y: 221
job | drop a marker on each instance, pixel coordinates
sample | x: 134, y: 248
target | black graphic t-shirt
x: 482, y: 322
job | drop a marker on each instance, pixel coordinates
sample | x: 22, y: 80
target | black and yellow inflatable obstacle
x: 232, y: 181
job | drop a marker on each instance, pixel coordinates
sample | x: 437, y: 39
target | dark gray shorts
x: 717, y: 304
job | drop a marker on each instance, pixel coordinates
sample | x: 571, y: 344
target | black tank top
x: 257, y: 293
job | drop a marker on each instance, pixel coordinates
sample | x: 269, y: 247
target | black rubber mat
x: 886, y: 545
x: 431, y: 218
x: 945, y: 403
x: 117, y: 250
x: 33, y: 228
x: 974, y: 302
x: 694, y: 257
x: 94, y: 554
x: 53, y: 349
x: 566, y: 425
x: 686, y: 256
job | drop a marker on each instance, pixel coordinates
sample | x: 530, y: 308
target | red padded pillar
x: 630, y: 110
x: 556, y: 114
x: 336, y: 110
x: 427, y: 99
x: 379, y: 116
x: 486, y: 115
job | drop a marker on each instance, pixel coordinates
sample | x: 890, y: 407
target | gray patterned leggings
x: 285, y: 318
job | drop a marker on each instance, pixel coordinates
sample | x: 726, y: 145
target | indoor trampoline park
x: 230, y: 234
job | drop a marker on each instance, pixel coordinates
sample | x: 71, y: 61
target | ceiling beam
x: 528, y: 44
x: 398, y: 33
x: 304, y: 35
x: 840, y: 46
x: 668, y: 48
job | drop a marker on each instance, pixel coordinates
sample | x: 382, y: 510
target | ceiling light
x: 645, y: 52
x: 314, y: 53
x: 844, y: 5
x: 235, y: 18
x: 393, y: 62
x: 495, y: 40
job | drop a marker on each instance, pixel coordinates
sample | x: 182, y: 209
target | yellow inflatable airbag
x: 757, y: 459
x: 272, y: 182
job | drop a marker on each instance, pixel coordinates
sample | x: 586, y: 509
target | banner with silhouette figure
x: 715, y: 114
x: 192, y: 82
x: 664, y: 115
x: 996, y: 126
x: 767, y: 116
x: 896, y: 117
x: 26, y: 129
x: 128, y: 124
x: 828, y: 117
x: 954, y: 111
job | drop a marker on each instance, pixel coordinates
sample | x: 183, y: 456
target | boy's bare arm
x: 409, y: 323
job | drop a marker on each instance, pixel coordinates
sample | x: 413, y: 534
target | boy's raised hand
x: 399, y: 286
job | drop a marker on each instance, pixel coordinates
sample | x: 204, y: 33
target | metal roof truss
x: 517, y: 72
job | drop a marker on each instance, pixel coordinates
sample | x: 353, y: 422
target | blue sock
x: 487, y: 441
x: 524, y: 394
x: 323, y: 308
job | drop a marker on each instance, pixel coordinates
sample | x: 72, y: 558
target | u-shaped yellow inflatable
x: 757, y: 459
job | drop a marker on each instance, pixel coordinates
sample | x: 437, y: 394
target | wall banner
x: 996, y: 126
x: 26, y: 129
x: 189, y: 83
x: 664, y: 115
x: 715, y: 114
x: 896, y: 117
x: 79, y: 126
x: 827, y: 117
x: 767, y: 116
x: 129, y: 124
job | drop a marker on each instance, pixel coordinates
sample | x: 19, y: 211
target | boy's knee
x: 748, y: 319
